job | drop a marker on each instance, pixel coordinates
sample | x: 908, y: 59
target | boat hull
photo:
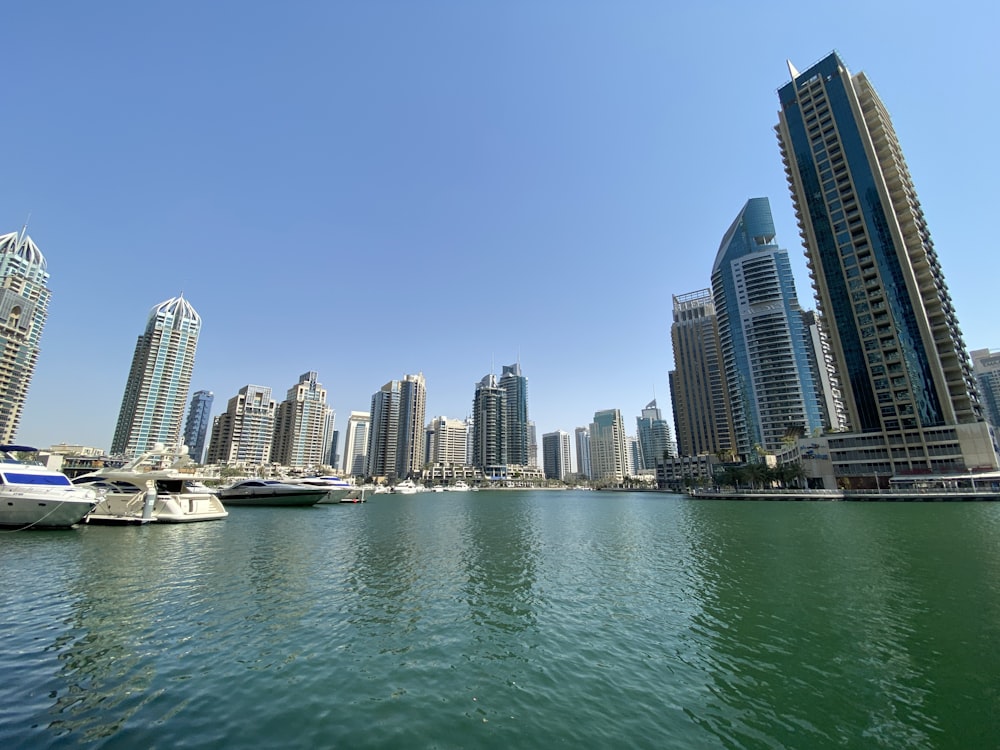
x: 272, y: 499
x: 121, y: 508
x: 40, y: 512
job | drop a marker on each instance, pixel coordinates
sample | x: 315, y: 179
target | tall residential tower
x: 766, y: 349
x: 24, y: 306
x: 909, y: 393
x: 157, y: 388
x: 199, y: 419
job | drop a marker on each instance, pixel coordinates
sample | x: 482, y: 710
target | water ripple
x: 511, y: 619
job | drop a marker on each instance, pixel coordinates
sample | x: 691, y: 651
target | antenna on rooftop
x: 24, y: 229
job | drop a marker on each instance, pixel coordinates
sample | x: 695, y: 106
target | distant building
x: 303, y: 428
x: 356, y: 443
x: 608, y: 458
x: 24, y: 306
x: 395, y: 438
x: 986, y: 366
x: 698, y: 393
x: 489, y: 414
x: 199, y: 419
x: 242, y: 435
x: 515, y: 386
x: 556, y: 455
x: 765, y: 345
x: 412, y: 411
x: 157, y: 387
x: 653, y: 434
x: 582, y: 436
x: 447, y: 442
x: 532, y: 445
x: 910, y: 396
x: 825, y: 374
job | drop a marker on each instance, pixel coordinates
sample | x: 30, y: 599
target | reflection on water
x: 500, y: 619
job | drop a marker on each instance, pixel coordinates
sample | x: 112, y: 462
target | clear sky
x: 369, y: 189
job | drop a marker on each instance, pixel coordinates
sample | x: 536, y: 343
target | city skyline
x: 553, y: 160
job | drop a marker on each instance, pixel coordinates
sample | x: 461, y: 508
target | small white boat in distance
x: 152, y: 488
x: 33, y: 496
x: 270, y: 492
x: 459, y: 486
x: 406, y: 487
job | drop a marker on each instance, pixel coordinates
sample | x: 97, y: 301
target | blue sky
x: 371, y: 189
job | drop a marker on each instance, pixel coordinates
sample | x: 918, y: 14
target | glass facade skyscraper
x: 157, y: 388
x: 515, y: 385
x: 905, y: 375
x: 24, y: 306
x: 653, y: 434
x: 489, y: 426
x: 199, y: 419
x: 764, y: 343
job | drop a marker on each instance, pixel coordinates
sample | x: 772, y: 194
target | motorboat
x: 152, y: 488
x: 459, y: 486
x: 406, y: 487
x: 33, y: 496
x: 338, y: 490
x: 270, y: 492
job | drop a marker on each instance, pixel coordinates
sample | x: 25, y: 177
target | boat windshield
x: 17, y: 477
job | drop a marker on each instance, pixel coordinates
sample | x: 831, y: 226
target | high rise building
x: 448, y: 441
x: 825, y: 374
x: 515, y: 385
x: 242, y: 435
x: 986, y: 366
x: 582, y: 436
x: 303, y: 428
x: 765, y: 345
x: 608, y: 451
x: 356, y: 443
x: 157, y: 388
x: 489, y: 415
x: 412, y: 410
x: 199, y: 419
x: 532, y: 445
x: 395, y: 437
x: 24, y: 307
x: 910, y: 397
x: 383, y: 432
x: 698, y: 393
x: 556, y: 455
x: 653, y: 434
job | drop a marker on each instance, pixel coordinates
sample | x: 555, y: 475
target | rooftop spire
x: 791, y: 70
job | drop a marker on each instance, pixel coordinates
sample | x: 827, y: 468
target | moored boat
x: 33, y: 496
x: 338, y: 490
x: 270, y: 492
x: 151, y: 488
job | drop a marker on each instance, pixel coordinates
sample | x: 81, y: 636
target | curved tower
x: 157, y: 388
x: 24, y: 306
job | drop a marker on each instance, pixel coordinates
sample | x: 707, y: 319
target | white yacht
x: 459, y: 486
x: 33, y: 496
x: 338, y: 490
x: 406, y: 487
x: 151, y: 488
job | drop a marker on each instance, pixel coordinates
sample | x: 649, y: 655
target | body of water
x: 510, y: 620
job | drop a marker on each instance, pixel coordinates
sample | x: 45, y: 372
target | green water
x: 510, y: 619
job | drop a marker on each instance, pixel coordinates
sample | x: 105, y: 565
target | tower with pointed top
x: 157, y: 388
x: 24, y: 306
x: 909, y: 393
